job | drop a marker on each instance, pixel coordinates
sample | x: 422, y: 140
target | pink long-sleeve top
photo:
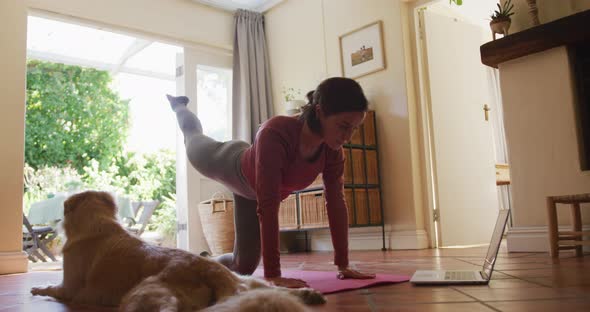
x: 274, y: 168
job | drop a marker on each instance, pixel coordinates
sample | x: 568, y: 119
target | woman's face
x: 338, y: 128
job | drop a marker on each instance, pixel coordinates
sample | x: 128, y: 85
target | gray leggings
x: 220, y: 161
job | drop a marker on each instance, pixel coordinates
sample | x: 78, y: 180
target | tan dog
x: 105, y: 265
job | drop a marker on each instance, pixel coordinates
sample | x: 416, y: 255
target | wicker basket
x: 288, y: 213
x: 318, y: 182
x: 313, y: 210
x: 217, y: 219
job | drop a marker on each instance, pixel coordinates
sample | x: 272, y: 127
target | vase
x: 534, y: 12
x: 500, y: 26
x: 294, y: 107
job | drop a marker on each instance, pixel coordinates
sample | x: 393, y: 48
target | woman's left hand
x: 354, y: 274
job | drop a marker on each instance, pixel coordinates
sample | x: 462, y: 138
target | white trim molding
x: 13, y: 262
x: 532, y: 238
x: 260, y: 6
x: 370, y: 238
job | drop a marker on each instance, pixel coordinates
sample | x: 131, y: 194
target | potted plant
x: 500, y: 22
x: 292, y: 104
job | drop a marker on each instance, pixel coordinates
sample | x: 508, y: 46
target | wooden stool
x: 567, y: 240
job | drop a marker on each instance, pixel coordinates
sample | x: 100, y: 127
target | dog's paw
x: 40, y: 291
x: 311, y: 296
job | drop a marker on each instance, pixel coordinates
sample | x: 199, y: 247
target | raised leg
x: 187, y: 121
x: 216, y: 160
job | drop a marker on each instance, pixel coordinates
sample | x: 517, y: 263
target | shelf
x: 569, y: 30
x: 320, y: 188
x: 305, y: 210
x: 371, y: 186
x: 368, y: 147
x: 326, y: 227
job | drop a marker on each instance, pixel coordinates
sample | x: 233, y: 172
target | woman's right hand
x: 287, y: 282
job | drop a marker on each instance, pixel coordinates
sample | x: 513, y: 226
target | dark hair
x: 334, y: 95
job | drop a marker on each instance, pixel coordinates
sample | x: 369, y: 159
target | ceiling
x: 232, y: 5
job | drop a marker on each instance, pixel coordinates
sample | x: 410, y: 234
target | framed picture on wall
x: 361, y: 51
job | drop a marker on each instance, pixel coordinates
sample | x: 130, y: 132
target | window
x: 214, y: 87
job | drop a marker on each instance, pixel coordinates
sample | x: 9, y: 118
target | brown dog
x: 105, y: 265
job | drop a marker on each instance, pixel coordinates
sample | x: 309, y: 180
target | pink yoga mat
x: 327, y: 282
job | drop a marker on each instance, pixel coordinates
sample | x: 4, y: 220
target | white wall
x: 539, y: 102
x: 304, y: 49
x: 13, y: 36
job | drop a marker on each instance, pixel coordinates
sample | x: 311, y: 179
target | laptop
x: 468, y: 277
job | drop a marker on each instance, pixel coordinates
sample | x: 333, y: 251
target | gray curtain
x: 252, y: 101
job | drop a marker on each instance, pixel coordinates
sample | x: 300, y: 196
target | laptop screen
x: 488, y: 264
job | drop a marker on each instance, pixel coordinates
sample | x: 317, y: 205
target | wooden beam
x: 58, y: 58
x: 565, y: 31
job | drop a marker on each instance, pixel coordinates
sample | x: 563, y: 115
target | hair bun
x: 309, y: 96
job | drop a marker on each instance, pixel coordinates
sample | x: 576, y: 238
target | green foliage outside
x: 141, y: 177
x: 73, y: 116
x: 76, y: 127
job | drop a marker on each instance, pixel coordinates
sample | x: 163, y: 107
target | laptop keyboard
x: 459, y: 275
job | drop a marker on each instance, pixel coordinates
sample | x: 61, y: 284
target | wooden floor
x: 522, y: 282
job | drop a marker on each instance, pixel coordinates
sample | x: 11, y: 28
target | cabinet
x: 306, y: 209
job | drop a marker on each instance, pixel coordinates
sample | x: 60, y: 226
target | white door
x: 206, y: 78
x: 462, y: 149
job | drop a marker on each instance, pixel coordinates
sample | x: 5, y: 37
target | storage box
x: 313, y: 213
x: 318, y: 182
x: 288, y: 213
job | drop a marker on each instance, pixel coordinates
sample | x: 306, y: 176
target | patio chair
x: 131, y: 221
x: 146, y: 215
x: 35, y: 239
x: 135, y: 207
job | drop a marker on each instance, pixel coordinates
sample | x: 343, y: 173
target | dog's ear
x: 68, y: 206
x: 72, y: 202
x: 107, y: 200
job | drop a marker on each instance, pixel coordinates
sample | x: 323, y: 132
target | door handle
x: 486, y: 110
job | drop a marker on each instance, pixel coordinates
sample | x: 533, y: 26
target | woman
x: 287, y: 155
